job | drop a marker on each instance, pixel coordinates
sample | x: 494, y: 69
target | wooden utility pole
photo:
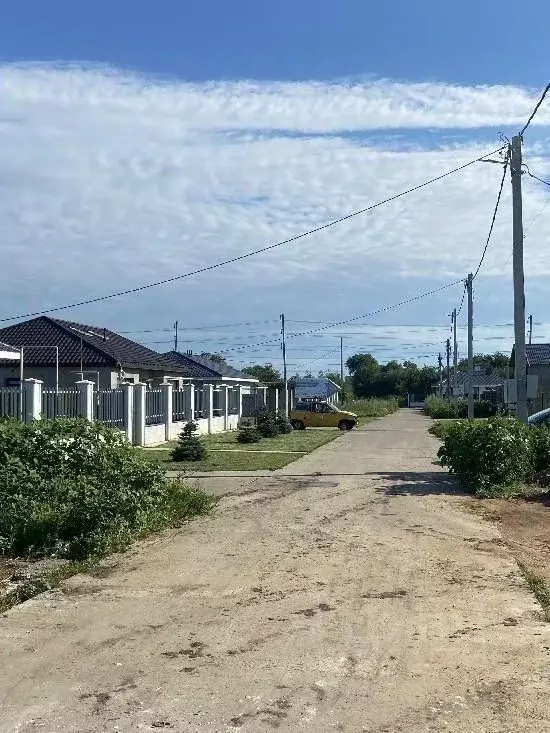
x: 448, y: 353
x: 469, y: 288
x: 530, y: 330
x: 342, y: 368
x: 283, y: 347
x: 519, y: 284
x: 440, y: 365
x: 455, y: 355
x: 176, y: 335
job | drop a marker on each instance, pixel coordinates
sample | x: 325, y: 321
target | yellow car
x: 321, y: 415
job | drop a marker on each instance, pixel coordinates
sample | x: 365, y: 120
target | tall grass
x: 373, y: 407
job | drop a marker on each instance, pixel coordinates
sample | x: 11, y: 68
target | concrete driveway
x: 347, y: 592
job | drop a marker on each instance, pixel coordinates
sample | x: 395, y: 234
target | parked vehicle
x: 321, y: 415
x: 540, y: 418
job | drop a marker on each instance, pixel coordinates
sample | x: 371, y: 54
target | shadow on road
x: 418, y: 483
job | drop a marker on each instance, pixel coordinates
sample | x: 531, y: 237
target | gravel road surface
x: 348, y: 591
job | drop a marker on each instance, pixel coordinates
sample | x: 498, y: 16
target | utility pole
x: 448, y: 352
x: 455, y: 355
x: 440, y: 364
x: 342, y: 368
x: 285, y: 380
x: 469, y: 287
x: 519, y: 284
x: 176, y: 335
x: 530, y: 330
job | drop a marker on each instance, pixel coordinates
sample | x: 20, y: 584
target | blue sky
x: 141, y: 142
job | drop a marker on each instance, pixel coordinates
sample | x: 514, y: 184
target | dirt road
x: 361, y: 599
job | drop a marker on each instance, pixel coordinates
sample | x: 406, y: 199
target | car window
x: 303, y: 407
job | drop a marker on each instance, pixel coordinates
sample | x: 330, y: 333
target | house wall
x: 543, y: 390
x: 68, y: 376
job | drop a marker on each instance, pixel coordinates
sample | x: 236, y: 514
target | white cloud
x: 109, y: 180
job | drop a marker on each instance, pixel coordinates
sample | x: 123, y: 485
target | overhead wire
x: 261, y: 250
x: 536, y: 109
x: 493, y: 219
x: 382, y: 309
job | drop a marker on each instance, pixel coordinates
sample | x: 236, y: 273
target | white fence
x: 147, y: 416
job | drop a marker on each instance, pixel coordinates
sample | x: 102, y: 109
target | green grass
x: 540, y: 589
x: 248, y: 456
x: 231, y: 461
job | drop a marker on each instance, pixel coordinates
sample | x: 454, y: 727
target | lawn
x: 233, y: 456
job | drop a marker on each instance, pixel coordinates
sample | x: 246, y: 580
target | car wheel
x: 298, y: 425
x: 344, y: 425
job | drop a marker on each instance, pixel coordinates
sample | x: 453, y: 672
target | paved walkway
x: 347, y: 592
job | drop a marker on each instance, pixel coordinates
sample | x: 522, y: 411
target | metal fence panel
x: 10, y: 401
x: 154, y: 412
x: 200, y: 403
x: 59, y: 405
x: 178, y: 405
x: 109, y: 407
x: 216, y: 402
x: 233, y: 401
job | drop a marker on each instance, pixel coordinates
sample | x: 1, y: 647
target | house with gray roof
x: 80, y: 351
x: 485, y: 386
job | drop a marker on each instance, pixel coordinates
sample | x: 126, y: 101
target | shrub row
x: 74, y: 489
x: 493, y: 457
x: 440, y: 408
x: 268, y: 425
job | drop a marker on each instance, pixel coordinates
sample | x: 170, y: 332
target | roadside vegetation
x: 497, y: 457
x: 76, y: 490
x: 229, y: 452
x: 441, y: 408
x: 373, y: 407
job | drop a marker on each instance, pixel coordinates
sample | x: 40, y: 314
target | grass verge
x: 540, y: 588
x: 181, y: 504
x: 234, y: 456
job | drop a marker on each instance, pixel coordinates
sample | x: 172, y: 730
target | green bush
x: 189, y: 447
x: 441, y: 408
x: 283, y: 423
x: 75, y: 489
x: 540, y: 454
x: 489, y: 457
x: 266, y: 424
x: 248, y: 434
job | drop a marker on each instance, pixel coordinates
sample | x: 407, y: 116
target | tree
x: 371, y: 379
x: 497, y: 363
x: 217, y: 358
x: 266, y: 373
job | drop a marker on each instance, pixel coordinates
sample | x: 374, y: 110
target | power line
x: 534, y: 112
x: 493, y: 218
x: 267, y: 248
x: 383, y: 309
x: 535, y: 177
x: 200, y: 328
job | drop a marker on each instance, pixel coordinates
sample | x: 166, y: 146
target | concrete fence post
x: 139, y: 414
x: 273, y: 399
x: 262, y: 393
x: 128, y: 390
x: 85, y: 399
x: 208, y: 392
x: 224, y: 404
x: 32, y: 393
x: 167, y: 408
x: 239, y: 402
